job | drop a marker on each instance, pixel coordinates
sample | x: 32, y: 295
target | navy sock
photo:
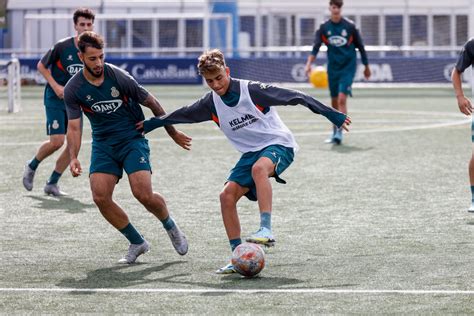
x: 132, y: 234
x: 266, y: 220
x: 54, y: 178
x: 234, y: 243
x: 34, y: 163
x: 168, y: 223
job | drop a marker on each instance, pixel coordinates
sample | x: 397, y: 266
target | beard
x: 93, y: 73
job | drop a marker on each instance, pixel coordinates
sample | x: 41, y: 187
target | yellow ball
x: 319, y: 77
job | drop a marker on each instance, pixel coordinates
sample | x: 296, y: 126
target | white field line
x: 303, y: 134
x: 238, y: 291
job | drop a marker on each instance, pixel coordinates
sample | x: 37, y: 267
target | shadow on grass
x: 118, y: 276
x: 346, y: 149
x: 68, y: 204
x: 235, y: 282
x: 124, y: 276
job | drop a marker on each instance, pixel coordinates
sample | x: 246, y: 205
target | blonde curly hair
x: 211, y: 62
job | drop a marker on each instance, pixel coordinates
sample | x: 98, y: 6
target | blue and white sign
x: 291, y: 70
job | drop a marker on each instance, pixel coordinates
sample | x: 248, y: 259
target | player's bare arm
x: 46, y: 73
x: 74, y: 145
x: 179, y: 137
x: 309, y: 62
x: 464, y: 104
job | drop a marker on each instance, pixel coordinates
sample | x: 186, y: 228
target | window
x: 461, y: 29
x: 116, y: 33
x: 308, y: 28
x: 141, y: 33
x: 394, y: 32
x: 194, y: 31
x: 370, y: 29
x: 168, y: 33
x: 441, y: 30
x: 418, y: 30
x: 247, y: 25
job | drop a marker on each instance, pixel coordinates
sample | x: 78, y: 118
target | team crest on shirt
x: 89, y: 98
x: 344, y: 33
x: 55, y: 124
x: 329, y: 33
x: 69, y: 57
x: 114, y: 92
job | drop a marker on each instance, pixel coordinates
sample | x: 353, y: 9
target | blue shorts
x: 56, y: 121
x: 131, y: 156
x: 281, y: 156
x: 340, y: 81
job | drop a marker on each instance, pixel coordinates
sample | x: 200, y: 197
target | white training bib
x: 247, y: 128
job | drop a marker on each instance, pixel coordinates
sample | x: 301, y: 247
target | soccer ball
x: 319, y: 77
x: 248, y: 259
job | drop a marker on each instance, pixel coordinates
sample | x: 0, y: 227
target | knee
x: 101, y: 200
x: 57, y: 143
x: 227, y: 197
x: 144, y: 198
x: 259, y: 171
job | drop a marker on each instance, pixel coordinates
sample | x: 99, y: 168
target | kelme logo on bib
x: 337, y: 41
x: 74, y: 68
x: 106, y: 106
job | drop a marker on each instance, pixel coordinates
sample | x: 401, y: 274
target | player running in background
x: 57, y: 66
x: 111, y: 98
x: 465, y: 60
x: 244, y: 112
x: 341, y: 37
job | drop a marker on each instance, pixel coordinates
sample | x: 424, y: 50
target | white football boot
x: 135, y: 250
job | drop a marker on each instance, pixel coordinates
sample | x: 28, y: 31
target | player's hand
x: 182, y: 139
x: 59, y: 90
x: 346, y: 124
x: 465, y: 105
x: 367, y: 72
x: 307, y: 69
x: 139, y: 126
x: 75, y: 167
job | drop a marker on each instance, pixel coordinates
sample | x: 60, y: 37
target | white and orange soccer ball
x: 248, y: 259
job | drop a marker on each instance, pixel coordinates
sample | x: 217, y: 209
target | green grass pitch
x: 378, y: 225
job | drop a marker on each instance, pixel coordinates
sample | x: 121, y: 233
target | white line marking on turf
x: 241, y: 291
x: 302, y: 134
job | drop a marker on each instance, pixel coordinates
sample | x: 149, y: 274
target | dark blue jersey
x: 113, y: 108
x: 63, y: 61
x: 341, y: 40
x: 466, y: 56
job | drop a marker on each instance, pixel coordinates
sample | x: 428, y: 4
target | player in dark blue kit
x: 465, y: 60
x: 57, y: 66
x: 341, y: 37
x: 111, y: 98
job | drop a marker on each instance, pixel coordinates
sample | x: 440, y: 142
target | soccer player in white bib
x: 465, y: 60
x: 57, y: 66
x: 245, y: 112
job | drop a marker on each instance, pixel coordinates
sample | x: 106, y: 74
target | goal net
x: 10, y: 78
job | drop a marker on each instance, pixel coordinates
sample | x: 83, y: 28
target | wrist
x: 170, y: 130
